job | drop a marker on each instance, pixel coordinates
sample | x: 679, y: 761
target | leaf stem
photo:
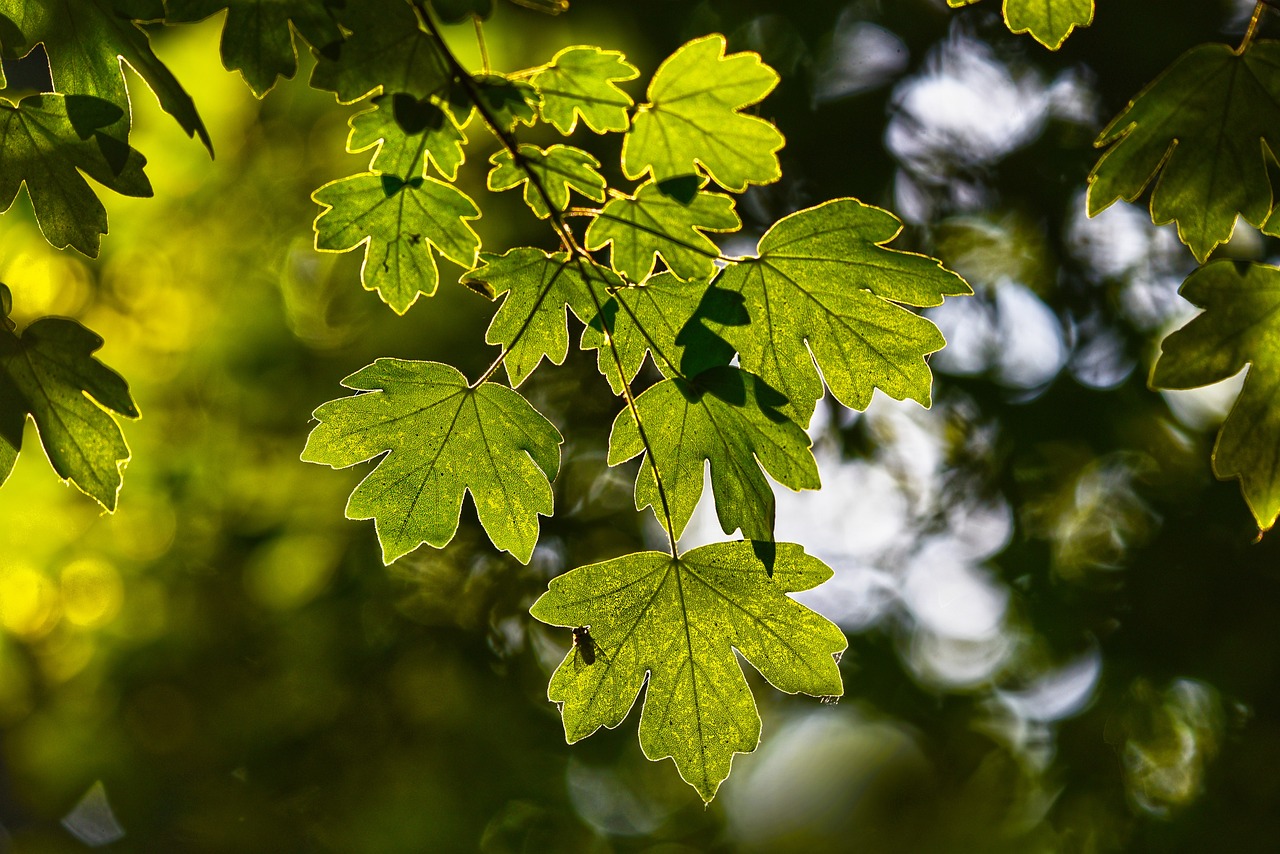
x: 484, y: 49
x: 579, y: 255
x: 1254, y: 19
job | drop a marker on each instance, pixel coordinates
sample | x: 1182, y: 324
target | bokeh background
x: 1064, y: 633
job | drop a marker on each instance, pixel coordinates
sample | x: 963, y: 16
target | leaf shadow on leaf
x: 414, y: 116
x: 683, y: 189
x: 703, y: 348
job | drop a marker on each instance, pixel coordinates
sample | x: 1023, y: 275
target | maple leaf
x: 50, y: 374
x: 693, y: 119
x: 531, y: 322
x: 256, y: 39
x: 729, y: 418
x: 400, y: 221
x: 1205, y: 126
x: 438, y: 438
x: 582, y: 82
x: 822, y: 288
x: 407, y: 133
x: 508, y: 102
x: 46, y: 142
x: 86, y: 40
x: 1238, y: 327
x: 668, y: 220
x: 554, y: 171
x: 1048, y: 21
x: 674, y: 623
x: 386, y: 51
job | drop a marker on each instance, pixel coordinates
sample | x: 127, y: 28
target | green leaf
x: 667, y: 220
x: 455, y: 11
x: 822, y: 288
x: 675, y: 623
x: 85, y: 40
x: 556, y: 170
x: 408, y: 132
x: 1048, y: 21
x: 50, y: 374
x: 1238, y: 327
x: 386, y: 51
x: 656, y: 317
x: 256, y: 39
x: 1206, y: 126
x: 531, y: 321
x: 46, y: 142
x: 402, y: 221
x: 444, y: 438
x: 582, y: 82
x: 693, y: 119
x: 724, y: 416
x: 508, y: 102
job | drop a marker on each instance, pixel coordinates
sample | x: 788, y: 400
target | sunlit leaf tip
x: 436, y: 439
x: 678, y: 622
x: 1047, y: 21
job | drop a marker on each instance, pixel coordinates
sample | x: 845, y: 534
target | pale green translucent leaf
x: 85, y: 40
x: 539, y: 287
x: 581, y: 82
x: 401, y: 221
x: 693, y: 119
x: 678, y: 622
x: 1207, y: 126
x: 823, y: 287
x: 730, y: 418
x: 49, y: 373
x: 1240, y: 325
x: 1048, y: 21
x: 656, y: 318
x: 408, y: 132
x: 387, y: 51
x: 669, y: 220
x: 437, y: 438
x: 46, y: 142
x: 256, y: 38
x: 556, y: 170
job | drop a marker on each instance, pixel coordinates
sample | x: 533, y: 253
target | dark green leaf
x: 256, y: 40
x: 1205, y: 125
x: 823, y: 288
x: 678, y: 622
x: 662, y: 220
x: 1238, y: 327
x: 85, y: 40
x: 402, y: 221
x: 556, y: 170
x: 408, y: 132
x: 694, y: 119
x: 581, y: 82
x: 454, y: 11
x: 729, y: 418
x: 46, y: 141
x: 50, y: 374
x: 444, y: 439
x: 386, y: 51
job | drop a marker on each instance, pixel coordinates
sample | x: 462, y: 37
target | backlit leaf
x: 556, y: 170
x: 401, y: 221
x: 693, y: 119
x: 408, y: 132
x: 1048, y: 21
x: 675, y: 623
x: 1240, y: 326
x: 437, y: 438
x: 387, y: 50
x: 508, y: 102
x: 582, y: 82
x: 667, y: 220
x: 823, y: 288
x: 1205, y: 126
x: 46, y: 142
x: 730, y: 418
x: 49, y: 373
x: 85, y: 40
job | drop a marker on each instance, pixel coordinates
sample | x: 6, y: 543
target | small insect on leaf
x: 586, y: 645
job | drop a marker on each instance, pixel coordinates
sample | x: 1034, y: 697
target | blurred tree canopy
x: 1061, y: 626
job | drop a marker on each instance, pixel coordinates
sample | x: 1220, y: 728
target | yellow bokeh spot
x: 291, y: 571
x: 29, y: 605
x: 92, y: 592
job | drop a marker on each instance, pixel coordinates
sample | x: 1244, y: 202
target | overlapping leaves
x: 1205, y: 126
x: 441, y: 438
x: 1240, y: 326
x: 677, y: 622
x: 547, y: 175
